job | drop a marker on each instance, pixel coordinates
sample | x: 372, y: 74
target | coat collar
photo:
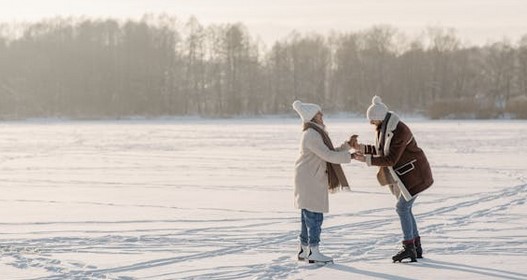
x: 393, y: 121
x: 384, y: 138
x: 323, y: 127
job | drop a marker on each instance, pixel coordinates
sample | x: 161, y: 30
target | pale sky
x: 477, y: 21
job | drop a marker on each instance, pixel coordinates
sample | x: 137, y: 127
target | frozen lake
x: 202, y: 199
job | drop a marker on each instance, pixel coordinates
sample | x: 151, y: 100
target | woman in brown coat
x: 403, y: 167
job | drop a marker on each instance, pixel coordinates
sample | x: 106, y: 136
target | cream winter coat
x: 311, y: 179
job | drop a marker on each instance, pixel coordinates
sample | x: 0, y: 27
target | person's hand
x: 353, y: 142
x: 359, y: 157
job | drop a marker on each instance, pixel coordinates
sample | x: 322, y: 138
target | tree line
x: 158, y: 66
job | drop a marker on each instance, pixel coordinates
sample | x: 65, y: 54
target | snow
x: 212, y: 199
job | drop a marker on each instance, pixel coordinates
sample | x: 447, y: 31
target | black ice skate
x: 408, y: 251
x: 418, y: 248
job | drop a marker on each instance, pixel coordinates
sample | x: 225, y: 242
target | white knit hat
x: 306, y: 110
x: 377, y: 110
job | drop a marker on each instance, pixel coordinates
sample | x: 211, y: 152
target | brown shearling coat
x: 396, y: 150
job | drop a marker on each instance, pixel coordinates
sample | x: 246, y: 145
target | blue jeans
x: 408, y: 225
x: 311, y: 227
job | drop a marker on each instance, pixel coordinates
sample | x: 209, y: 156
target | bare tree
x: 78, y: 67
x: 522, y: 66
x: 499, y: 72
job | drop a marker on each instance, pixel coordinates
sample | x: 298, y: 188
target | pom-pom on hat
x: 377, y: 110
x: 306, y: 111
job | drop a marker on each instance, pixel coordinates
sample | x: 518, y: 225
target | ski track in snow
x: 50, y: 246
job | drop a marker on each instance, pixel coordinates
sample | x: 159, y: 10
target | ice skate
x: 303, y: 250
x: 316, y: 257
x: 408, y: 251
x: 418, y: 248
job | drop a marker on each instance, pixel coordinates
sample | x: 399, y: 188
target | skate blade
x: 405, y: 261
x: 320, y: 262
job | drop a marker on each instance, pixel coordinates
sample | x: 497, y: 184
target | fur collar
x: 392, y: 122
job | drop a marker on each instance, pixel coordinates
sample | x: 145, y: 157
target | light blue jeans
x: 311, y: 227
x: 408, y: 225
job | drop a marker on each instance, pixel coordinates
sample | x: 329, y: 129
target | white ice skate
x: 316, y: 257
x: 302, y: 252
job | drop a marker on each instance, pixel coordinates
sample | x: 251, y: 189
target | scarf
x: 384, y: 175
x: 382, y: 134
x: 336, y: 175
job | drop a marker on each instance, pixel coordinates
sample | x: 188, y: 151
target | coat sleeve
x: 401, y: 137
x: 368, y: 149
x: 313, y: 142
x: 344, y: 147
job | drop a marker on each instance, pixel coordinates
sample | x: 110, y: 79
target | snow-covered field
x: 212, y: 199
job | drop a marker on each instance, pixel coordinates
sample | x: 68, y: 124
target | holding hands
x: 360, y: 157
x: 354, y: 143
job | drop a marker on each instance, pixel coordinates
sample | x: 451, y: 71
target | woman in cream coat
x: 311, y: 178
